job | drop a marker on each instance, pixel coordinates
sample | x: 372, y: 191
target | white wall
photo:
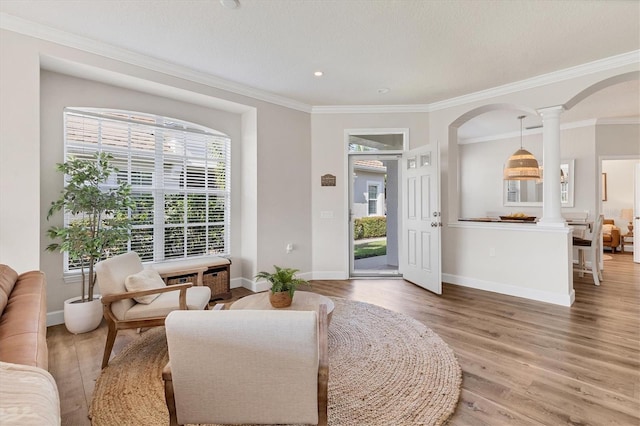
x: 275, y: 200
x: 19, y: 153
x: 481, y: 184
x: 513, y: 259
x: 481, y: 165
x: 283, y: 191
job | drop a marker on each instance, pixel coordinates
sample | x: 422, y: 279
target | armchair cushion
x: 147, y: 279
x: 112, y: 274
x: 197, y: 298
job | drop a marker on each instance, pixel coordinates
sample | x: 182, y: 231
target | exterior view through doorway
x: 374, y: 214
x: 374, y: 157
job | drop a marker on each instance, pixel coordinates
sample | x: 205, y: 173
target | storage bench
x: 212, y: 271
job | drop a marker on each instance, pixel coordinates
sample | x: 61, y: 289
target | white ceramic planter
x: 82, y: 317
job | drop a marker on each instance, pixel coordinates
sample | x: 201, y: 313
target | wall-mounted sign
x: 328, y: 180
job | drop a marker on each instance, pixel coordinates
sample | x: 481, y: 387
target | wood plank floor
x: 523, y: 362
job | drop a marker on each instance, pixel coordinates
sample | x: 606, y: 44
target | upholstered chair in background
x: 610, y: 235
x: 134, y: 297
x: 247, y: 367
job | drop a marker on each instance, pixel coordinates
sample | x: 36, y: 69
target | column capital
x: 552, y: 110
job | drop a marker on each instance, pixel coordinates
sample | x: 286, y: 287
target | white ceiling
x: 423, y: 51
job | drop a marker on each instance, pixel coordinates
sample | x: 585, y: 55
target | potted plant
x: 283, y: 285
x: 98, y: 224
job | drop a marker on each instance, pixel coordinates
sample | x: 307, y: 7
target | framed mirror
x: 528, y: 193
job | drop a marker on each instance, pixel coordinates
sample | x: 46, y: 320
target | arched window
x: 179, y: 173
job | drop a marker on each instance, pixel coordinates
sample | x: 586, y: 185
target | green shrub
x: 369, y: 227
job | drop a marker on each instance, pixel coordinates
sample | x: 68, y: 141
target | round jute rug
x: 384, y: 369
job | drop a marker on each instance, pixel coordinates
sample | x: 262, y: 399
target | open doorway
x: 374, y: 201
x: 374, y: 215
x: 620, y: 183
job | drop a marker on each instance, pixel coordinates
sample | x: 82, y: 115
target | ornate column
x: 551, y: 212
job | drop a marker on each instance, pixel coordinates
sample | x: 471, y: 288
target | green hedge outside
x: 370, y: 227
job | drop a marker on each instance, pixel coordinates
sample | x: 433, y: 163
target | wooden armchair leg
x: 168, y: 394
x: 322, y: 408
x: 323, y: 367
x: 108, y: 347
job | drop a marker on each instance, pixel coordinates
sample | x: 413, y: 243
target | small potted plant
x: 283, y: 285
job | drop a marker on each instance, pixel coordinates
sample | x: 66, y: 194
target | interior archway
x: 490, y: 119
x: 596, y: 87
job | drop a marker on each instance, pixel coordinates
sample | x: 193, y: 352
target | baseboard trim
x: 328, y: 275
x: 55, y: 318
x: 510, y: 290
x: 237, y: 282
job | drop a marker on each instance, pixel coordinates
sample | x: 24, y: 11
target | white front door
x: 636, y: 215
x: 421, y: 220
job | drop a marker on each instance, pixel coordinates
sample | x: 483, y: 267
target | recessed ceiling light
x: 230, y: 4
x: 318, y: 73
x: 383, y: 90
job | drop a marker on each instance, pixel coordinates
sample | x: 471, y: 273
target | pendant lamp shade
x: 522, y: 165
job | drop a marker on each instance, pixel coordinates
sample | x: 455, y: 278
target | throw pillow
x: 606, y: 229
x: 146, y: 279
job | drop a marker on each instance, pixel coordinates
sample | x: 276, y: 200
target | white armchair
x: 122, y: 311
x: 247, y: 367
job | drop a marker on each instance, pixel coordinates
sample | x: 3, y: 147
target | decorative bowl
x: 519, y: 218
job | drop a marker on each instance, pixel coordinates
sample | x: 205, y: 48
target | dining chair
x: 590, y: 249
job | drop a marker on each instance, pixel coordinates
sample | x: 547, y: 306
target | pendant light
x: 522, y: 165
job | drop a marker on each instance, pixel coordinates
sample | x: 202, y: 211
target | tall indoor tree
x: 98, y: 223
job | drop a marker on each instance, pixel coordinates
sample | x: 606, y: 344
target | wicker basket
x: 181, y: 279
x: 217, y: 281
x: 216, y: 278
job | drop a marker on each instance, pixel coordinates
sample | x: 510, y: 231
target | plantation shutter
x: 179, y: 174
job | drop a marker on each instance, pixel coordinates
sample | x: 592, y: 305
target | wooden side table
x: 626, y: 240
x: 302, y: 301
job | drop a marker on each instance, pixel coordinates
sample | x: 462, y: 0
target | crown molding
x: 605, y: 64
x: 32, y: 29
x: 621, y: 120
x: 536, y: 131
x: 565, y: 126
x: 22, y: 26
x: 369, y: 109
